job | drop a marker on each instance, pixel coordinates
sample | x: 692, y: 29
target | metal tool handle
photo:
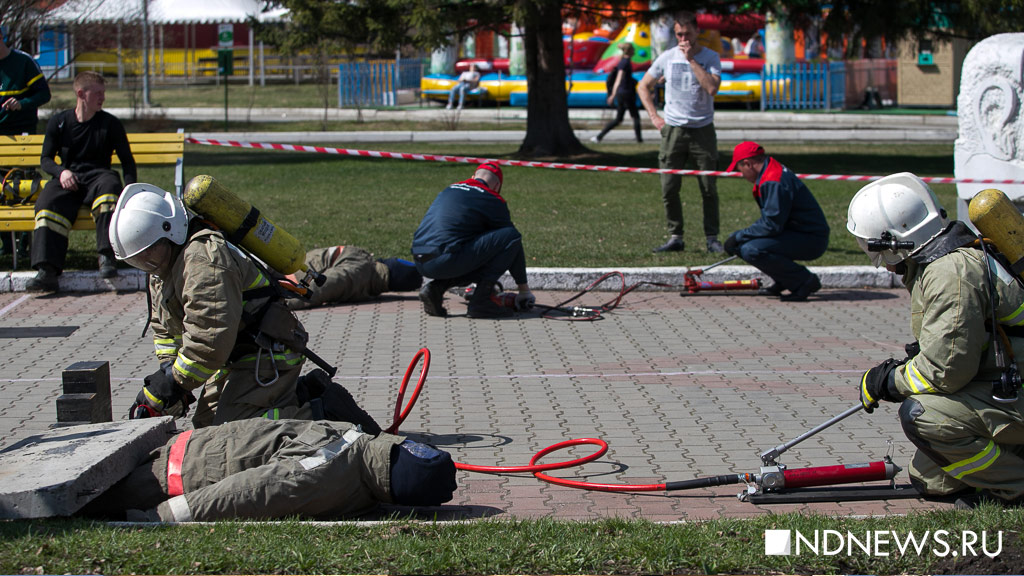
x: 769, y: 457
x: 719, y: 263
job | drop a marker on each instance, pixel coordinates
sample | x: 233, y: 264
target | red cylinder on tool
x: 841, y: 474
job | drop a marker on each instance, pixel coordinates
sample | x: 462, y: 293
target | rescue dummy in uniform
x: 217, y: 318
x: 969, y: 443
x: 352, y: 274
x: 263, y: 469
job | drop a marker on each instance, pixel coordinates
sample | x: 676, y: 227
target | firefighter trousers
x: 56, y: 210
x: 966, y: 440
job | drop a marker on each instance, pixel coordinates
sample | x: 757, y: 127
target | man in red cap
x: 792, y: 225
x: 467, y: 236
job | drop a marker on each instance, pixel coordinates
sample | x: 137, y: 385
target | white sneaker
x: 595, y: 139
x: 448, y: 107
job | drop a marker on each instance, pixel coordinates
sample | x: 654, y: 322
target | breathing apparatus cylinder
x: 996, y: 217
x: 1000, y: 221
x: 243, y: 224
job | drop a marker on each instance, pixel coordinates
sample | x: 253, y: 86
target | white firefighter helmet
x: 144, y: 214
x: 900, y: 210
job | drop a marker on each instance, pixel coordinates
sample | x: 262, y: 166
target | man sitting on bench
x: 85, y: 138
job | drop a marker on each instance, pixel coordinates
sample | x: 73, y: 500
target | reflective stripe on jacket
x: 200, y: 312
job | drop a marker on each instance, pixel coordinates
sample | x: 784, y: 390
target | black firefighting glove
x: 732, y: 246
x: 161, y: 396
x: 879, y: 384
x: 912, y: 349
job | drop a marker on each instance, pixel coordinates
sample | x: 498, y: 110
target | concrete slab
x: 55, y: 473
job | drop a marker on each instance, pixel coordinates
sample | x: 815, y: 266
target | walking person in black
x: 624, y: 93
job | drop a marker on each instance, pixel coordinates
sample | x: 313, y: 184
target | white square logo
x: 777, y: 543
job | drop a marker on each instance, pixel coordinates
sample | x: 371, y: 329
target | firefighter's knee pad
x: 910, y: 411
x: 421, y: 475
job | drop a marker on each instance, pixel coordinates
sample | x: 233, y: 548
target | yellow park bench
x: 24, y: 152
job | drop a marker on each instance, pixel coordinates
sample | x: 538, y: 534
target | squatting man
x: 969, y: 443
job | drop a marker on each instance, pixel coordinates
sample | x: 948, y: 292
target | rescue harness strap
x: 248, y: 223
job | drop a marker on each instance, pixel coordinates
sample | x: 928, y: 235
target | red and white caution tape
x: 555, y: 165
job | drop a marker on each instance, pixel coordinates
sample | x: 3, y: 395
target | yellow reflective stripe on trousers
x: 192, y: 370
x: 1016, y: 318
x: 917, y: 382
x: 976, y: 463
x: 273, y: 414
x: 104, y: 199
x: 167, y: 346
x: 53, y: 221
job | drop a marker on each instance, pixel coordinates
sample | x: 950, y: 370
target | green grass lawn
x: 507, y: 546
x: 568, y: 218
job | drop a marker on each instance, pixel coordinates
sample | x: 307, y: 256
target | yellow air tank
x: 243, y: 224
x: 996, y: 217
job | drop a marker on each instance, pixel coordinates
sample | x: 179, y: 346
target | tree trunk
x: 548, y: 132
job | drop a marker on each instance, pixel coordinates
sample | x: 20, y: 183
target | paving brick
x: 678, y: 387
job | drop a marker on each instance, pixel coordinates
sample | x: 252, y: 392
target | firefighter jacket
x: 204, y: 313
x: 950, y: 307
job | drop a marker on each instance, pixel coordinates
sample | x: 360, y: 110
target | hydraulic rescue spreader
x: 693, y: 284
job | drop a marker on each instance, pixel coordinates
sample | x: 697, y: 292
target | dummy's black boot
x: 432, y: 296
x: 481, y: 305
x: 331, y: 401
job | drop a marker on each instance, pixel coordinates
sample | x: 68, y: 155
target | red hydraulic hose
x: 401, y: 415
x: 538, y: 469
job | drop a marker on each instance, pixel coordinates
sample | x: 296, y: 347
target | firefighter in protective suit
x: 263, y: 469
x: 217, y: 320
x: 969, y: 442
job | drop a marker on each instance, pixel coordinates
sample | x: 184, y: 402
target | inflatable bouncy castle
x: 592, y: 49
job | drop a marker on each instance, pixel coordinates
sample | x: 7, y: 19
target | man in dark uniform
x: 85, y: 138
x: 23, y: 90
x: 792, y: 225
x: 467, y: 236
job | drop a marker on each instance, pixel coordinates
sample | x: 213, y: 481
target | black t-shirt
x: 85, y: 146
x: 628, y: 85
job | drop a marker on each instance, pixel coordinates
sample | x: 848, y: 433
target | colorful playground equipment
x: 590, y: 54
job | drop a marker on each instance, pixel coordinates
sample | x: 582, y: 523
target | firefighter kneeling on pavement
x: 218, y: 322
x: 968, y: 428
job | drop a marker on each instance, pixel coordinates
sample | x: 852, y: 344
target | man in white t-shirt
x: 692, y: 75
x: 468, y: 80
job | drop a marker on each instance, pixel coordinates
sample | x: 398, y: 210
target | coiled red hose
x: 533, y: 467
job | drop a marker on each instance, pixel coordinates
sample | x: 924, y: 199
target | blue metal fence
x: 803, y: 86
x: 376, y: 83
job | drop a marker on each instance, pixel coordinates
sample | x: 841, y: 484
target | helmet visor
x: 881, y: 258
x: 152, y: 259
